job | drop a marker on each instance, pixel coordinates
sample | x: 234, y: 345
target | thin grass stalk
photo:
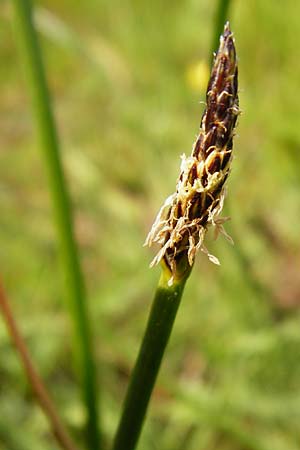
x: 161, y: 319
x: 38, y: 387
x: 49, y: 146
x: 180, y: 229
x: 221, y: 17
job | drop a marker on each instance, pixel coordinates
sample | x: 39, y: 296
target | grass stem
x: 158, y: 330
x: 49, y: 146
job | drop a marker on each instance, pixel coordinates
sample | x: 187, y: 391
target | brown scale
x: 225, y: 159
x: 193, y: 175
x: 209, y: 199
x: 209, y: 142
x: 204, y: 177
x: 196, y: 207
x: 197, y: 146
x: 179, y: 210
x: 215, y: 165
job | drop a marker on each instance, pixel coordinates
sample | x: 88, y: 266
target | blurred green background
x: 127, y: 78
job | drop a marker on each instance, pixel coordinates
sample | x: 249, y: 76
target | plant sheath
x: 163, y: 312
x: 75, y: 290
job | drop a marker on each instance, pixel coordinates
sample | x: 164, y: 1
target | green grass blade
x: 33, y: 65
x: 221, y: 18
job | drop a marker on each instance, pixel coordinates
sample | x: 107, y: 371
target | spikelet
x: 183, y: 220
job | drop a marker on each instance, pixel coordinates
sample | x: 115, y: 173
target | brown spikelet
x: 182, y: 222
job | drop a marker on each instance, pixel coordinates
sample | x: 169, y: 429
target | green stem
x: 159, y: 327
x: 221, y: 18
x: 49, y: 146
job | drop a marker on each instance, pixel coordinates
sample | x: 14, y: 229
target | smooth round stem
x: 221, y: 17
x: 158, y: 330
x: 49, y: 146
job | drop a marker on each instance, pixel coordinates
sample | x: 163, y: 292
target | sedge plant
x: 180, y: 229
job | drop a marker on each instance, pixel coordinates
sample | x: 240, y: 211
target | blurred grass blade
x: 12, y: 439
x: 33, y: 65
x: 221, y: 17
x: 37, y: 384
x: 236, y: 433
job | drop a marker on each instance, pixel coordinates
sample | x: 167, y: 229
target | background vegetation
x: 126, y: 79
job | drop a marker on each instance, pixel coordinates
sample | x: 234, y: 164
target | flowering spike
x: 183, y: 220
